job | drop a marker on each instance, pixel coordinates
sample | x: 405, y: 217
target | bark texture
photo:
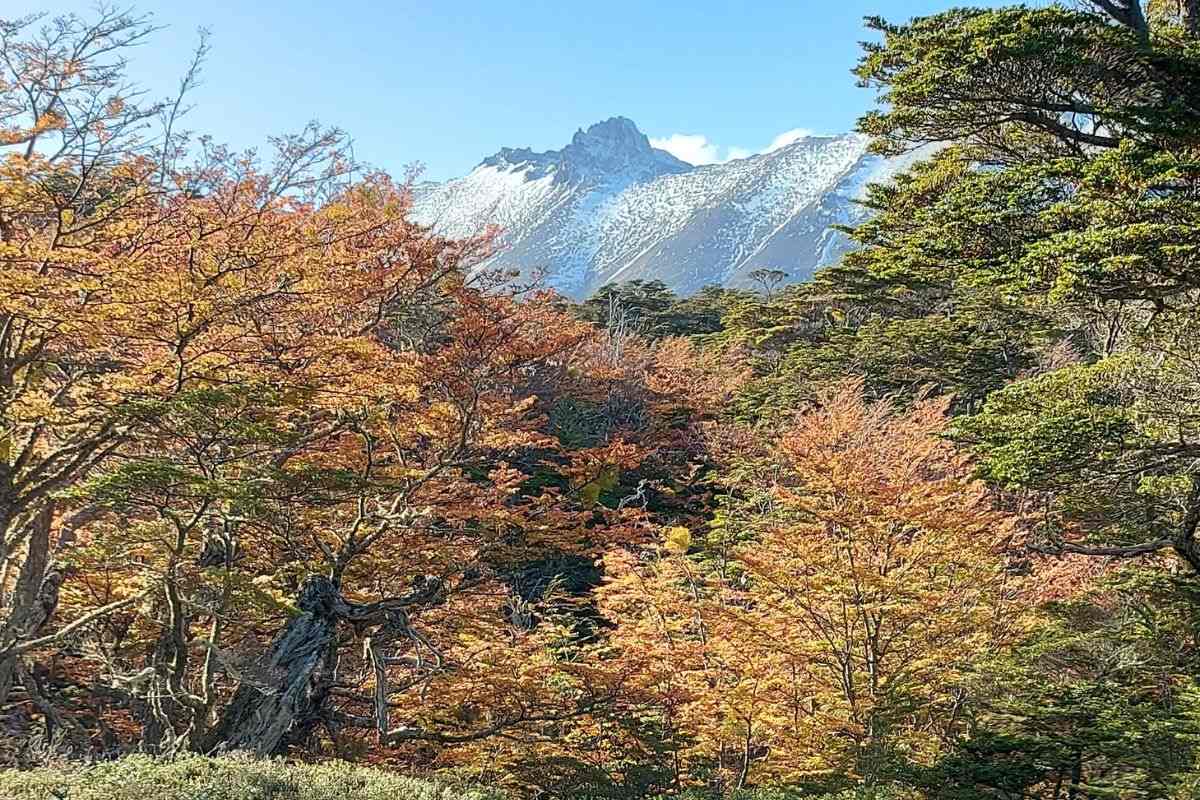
x: 286, y: 701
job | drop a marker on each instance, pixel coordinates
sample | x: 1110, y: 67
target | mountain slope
x: 609, y: 207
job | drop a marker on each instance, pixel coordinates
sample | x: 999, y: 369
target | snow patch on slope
x: 608, y: 206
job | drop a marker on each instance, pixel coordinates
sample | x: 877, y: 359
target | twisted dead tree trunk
x: 273, y: 710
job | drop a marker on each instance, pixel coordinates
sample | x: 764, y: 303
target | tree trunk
x: 1187, y: 545
x: 283, y: 703
x: 1191, y: 17
x: 24, y: 607
x: 267, y: 708
x: 1076, y: 776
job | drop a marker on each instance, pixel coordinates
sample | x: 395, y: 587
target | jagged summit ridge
x: 608, y: 206
x: 612, y: 149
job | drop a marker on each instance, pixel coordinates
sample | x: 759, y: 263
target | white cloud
x: 698, y: 149
x: 694, y: 148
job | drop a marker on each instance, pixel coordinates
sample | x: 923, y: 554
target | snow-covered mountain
x: 609, y: 207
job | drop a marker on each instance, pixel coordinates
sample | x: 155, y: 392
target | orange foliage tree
x: 838, y: 633
x: 273, y: 456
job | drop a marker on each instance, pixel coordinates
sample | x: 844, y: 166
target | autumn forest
x: 285, y: 474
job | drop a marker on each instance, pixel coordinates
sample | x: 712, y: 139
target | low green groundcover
x: 199, y: 778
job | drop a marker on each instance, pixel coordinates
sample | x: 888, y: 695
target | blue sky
x: 448, y: 83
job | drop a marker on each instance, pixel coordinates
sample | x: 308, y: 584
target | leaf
x: 678, y: 540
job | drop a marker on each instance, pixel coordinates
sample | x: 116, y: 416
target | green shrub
x: 230, y: 778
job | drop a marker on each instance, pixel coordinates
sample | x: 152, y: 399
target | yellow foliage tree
x: 841, y: 635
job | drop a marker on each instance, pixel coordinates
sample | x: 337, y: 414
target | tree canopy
x: 283, y: 471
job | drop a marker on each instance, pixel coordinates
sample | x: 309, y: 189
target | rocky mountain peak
x: 610, y: 207
x: 614, y: 133
x: 613, y: 150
